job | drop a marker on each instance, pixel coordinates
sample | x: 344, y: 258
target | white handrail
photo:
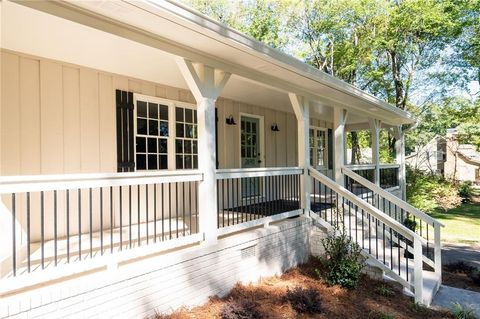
x: 37, y: 183
x: 392, y: 198
x: 258, y: 172
x: 384, y: 218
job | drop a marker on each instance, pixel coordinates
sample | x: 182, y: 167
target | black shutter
x: 216, y: 139
x: 330, y: 148
x: 125, y: 134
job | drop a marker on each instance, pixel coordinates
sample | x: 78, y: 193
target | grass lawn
x: 462, y: 224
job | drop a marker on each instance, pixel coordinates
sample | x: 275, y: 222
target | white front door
x: 250, y: 152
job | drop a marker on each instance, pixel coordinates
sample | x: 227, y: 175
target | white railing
x: 425, y: 226
x: 256, y: 196
x: 378, y: 234
x: 98, y: 219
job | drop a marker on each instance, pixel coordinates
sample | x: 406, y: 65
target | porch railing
x: 64, y: 219
x: 250, y: 197
x: 426, y: 227
x: 388, y: 176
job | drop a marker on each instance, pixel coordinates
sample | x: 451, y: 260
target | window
x: 165, y: 134
x: 318, y: 147
x: 186, y: 138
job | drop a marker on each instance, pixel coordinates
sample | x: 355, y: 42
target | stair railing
x: 379, y: 236
x: 422, y: 224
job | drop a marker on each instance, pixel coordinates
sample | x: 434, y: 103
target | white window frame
x: 172, y: 121
x: 325, y: 154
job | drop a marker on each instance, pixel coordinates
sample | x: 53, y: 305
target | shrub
x: 462, y: 313
x: 459, y: 267
x: 418, y: 308
x: 384, y: 291
x: 304, y: 300
x: 240, y: 309
x: 342, y: 262
x: 465, y: 191
x: 475, y: 276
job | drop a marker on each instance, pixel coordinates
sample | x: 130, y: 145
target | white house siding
x: 166, y: 282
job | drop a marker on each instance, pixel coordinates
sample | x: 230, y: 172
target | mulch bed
x: 458, y: 280
x: 363, y: 302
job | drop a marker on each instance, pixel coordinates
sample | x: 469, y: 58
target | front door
x: 250, y: 152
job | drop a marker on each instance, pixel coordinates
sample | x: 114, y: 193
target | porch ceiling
x: 101, y: 43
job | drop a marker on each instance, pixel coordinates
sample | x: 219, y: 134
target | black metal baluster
x: 398, y: 251
x: 190, y: 211
x: 155, y: 213
x: 223, y: 203
x: 55, y: 221
x: 130, y: 216
x: 28, y: 233
x: 228, y: 202
x: 147, y: 222
x: 176, y: 204
x: 391, y: 248
x: 218, y: 203
x: 138, y: 216
x: 163, y: 214
x: 14, y: 236
x: 183, y: 207
x: 121, y: 218
x: 170, y: 209
x: 383, y: 243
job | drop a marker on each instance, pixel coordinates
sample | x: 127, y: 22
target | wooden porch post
x: 206, y: 83
x: 400, y: 159
x: 375, y: 126
x: 339, y: 120
x: 301, y: 107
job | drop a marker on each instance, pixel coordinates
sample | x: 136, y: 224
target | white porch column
x: 339, y: 120
x: 206, y: 83
x: 375, y: 126
x: 301, y: 107
x: 400, y: 159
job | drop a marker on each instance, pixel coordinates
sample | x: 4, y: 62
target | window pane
x: 189, y: 130
x: 153, y: 110
x: 194, y: 147
x: 247, y: 127
x: 254, y: 127
x: 152, y: 145
x: 153, y: 127
x: 162, y: 145
x: 179, y: 130
x: 179, y: 114
x: 141, y: 109
x: 163, y: 112
x: 188, y: 116
x: 178, y: 146
x: 142, y: 126
x: 163, y: 162
x: 195, y: 161
x: 187, y: 147
x: 152, y: 161
x: 163, y: 128
x: 194, y: 116
x: 188, y: 162
x: 141, y: 145
x: 141, y: 161
x: 179, y: 161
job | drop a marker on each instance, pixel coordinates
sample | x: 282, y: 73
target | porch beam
x: 301, y: 107
x: 206, y: 84
x: 375, y: 127
x: 339, y: 121
x: 400, y: 158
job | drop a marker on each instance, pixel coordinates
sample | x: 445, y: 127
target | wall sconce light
x: 230, y: 120
x: 275, y: 127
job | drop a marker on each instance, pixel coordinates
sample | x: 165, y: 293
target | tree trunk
x: 355, y: 159
x: 397, y: 80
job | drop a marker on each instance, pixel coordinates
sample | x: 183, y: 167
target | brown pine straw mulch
x: 363, y: 302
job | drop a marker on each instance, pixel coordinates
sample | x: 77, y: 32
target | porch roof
x: 181, y: 31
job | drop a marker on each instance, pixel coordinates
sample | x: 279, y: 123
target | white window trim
x: 325, y: 130
x: 171, y: 163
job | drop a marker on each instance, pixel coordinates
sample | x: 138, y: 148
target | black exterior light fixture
x: 230, y: 120
x: 275, y: 127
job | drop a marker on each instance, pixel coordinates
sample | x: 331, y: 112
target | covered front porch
x: 140, y: 147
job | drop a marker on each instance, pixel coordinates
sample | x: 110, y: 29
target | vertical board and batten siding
x: 59, y: 118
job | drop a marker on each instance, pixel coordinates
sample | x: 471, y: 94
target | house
x: 446, y: 157
x: 430, y: 157
x: 152, y: 157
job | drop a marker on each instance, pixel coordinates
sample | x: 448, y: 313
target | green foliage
x: 469, y: 133
x: 342, y: 262
x: 475, y: 276
x: 384, y: 291
x: 461, y: 312
x: 410, y: 224
x: 428, y: 192
x: 418, y: 308
x: 304, y: 300
x: 465, y: 190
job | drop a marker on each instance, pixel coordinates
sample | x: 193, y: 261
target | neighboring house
x: 143, y: 145
x: 462, y: 161
x: 446, y: 157
x: 430, y: 157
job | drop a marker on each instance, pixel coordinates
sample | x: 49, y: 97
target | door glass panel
x: 250, y: 154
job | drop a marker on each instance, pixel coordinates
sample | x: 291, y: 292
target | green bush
x: 304, y: 300
x: 465, y: 191
x: 342, y: 262
x: 428, y: 192
x: 462, y: 313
